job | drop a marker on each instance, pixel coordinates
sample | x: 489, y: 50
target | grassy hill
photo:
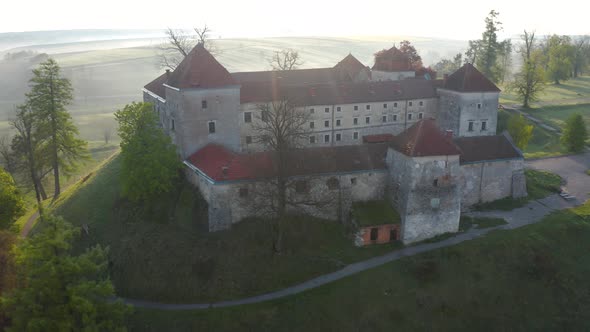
x: 533, y: 278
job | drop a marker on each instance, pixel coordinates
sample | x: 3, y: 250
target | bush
x: 575, y: 133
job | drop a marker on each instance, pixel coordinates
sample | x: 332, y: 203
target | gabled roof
x: 220, y: 164
x: 482, y: 148
x: 424, y: 139
x: 199, y: 69
x: 157, y: 86
x: 350, y: 66
x: 469, y: 79
x: 288, y: 77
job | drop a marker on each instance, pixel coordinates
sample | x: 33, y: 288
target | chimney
x: 167, y: 73
x: 449, y: 134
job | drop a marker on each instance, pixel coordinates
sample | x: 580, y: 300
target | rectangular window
x: 356, y: 107
x: 311, y: 139
x: 384, y: 118
x: 327, y: 123
x: 243, y: 192
x: 312, y: 124
x: 368, y: 107
x: 384, y: 105
x: 479, y: 106
x: 421, y: 103
x: 395, y: 118
x: 355, y: 121
x: 420, y: 115
x: 311, y: 111
x: 326, y: 138
x: 264, y: 116
x: 211, y: 127
x: 338, y: 109
x: 368, y: 120
x: 248, y: 139
x: 338, y: 137
x: 355, y: 135
x: 338, y: 122
x: 470, y: 126
x: 410, y: 103
x: 327, y: 110
x: 484, y: 125
x: 409, y: 116
x: 394, y: 104
x: 172, y: 125
x: 248, y: 117
x: 203, y: 104
x: 374, y: 233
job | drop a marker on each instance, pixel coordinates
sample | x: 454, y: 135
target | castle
x: 428, y: 147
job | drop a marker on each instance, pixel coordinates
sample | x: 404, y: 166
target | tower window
x: 484, y: 126
x: 470, y: 128
x: 211, y: 127
x: 172, y: 125
x: 203, y: 104
x: 479, y: 106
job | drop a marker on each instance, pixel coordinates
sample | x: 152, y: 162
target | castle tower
x: 424, y: 173
x: 468, y: 103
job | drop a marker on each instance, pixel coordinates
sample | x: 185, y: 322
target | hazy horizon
x: 459, y: 20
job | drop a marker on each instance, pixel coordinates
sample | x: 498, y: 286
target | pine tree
x: 575, y: 133
x: 49, y: 96
x: 61, y: 292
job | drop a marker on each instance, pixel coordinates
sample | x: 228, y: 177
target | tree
x: 12, y: 204
x: 504, y: 62
x: 530, y: 80
x: 179, y: 43
x: 520, y: 130
x: 49, y: 96
x: 58, y: 291
x: 8, y: 277
x: 8, y: 159
x: 410, y: 51
x: 559, y: 58
x: 280, y: 128
x: 149, y: 161
x: 487, y: 54
x: 446, y: 66
x: 575, y: 133
x: 27, y: 145
x: 287, y: 59
x: 581, y: 55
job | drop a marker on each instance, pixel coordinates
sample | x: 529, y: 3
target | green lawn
x: 568, y: 92
x: 539, y: 184
x: 162, y: 251
x: 557, y: 115
x: 533, y: 278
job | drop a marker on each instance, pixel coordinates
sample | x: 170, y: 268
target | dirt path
x: 29, y: 224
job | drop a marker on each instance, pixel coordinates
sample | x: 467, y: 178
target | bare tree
x: 281, y: 128
x: 107, y: 133
x: 179, y: 43
x: 7, y: 158
x: 287, y: 59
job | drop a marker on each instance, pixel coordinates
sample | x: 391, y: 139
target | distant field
x: 572, y: 91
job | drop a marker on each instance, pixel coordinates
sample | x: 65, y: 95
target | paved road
x: 571, y: 168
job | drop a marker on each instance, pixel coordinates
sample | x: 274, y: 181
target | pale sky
x: 460, y: 19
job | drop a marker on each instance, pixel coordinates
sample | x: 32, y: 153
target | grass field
x: 533, y: 278
x: 568, y: 92
x: 556, y: 116
x: 162, y: 251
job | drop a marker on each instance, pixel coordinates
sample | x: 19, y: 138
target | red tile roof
x: 157, y: 86
x: 220, y: 164
x: 469, y: 79
x: 339, y: 93
x: 424, y: 139
x: 381, y: 138
x: 199, y: 69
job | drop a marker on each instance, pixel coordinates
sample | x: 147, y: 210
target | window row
x: 355, y: 121
x: 484, y: 126
x: 367, y: 107
x: 337, y: 137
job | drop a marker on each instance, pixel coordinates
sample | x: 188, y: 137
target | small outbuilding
x: 377, y: 222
